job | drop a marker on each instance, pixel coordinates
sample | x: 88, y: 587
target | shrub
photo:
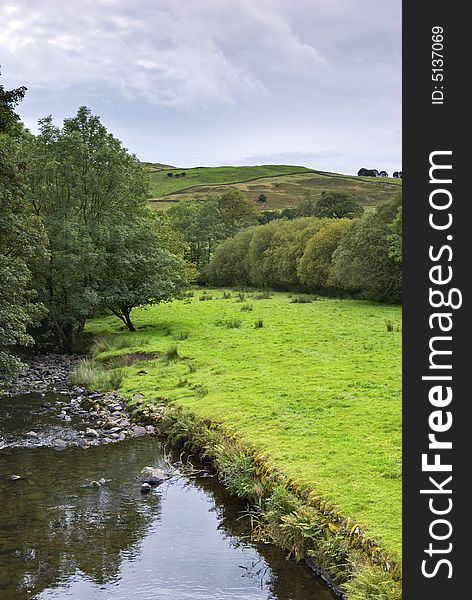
x: 241, y: 297
x: 205, y: 296
x: 389, y: 325
x: 259, y: 324
x: 315, y: 269
x: 247, y: 308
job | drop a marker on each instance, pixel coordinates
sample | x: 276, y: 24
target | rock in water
x: 146, y: 488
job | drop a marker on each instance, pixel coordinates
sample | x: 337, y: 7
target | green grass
x: 317, y: 388
x: 163, y: 185
x: 284, y: 185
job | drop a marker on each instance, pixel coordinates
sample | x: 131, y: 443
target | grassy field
x: 285, y: 186
x: 163, y: 185
x: 317, y: 387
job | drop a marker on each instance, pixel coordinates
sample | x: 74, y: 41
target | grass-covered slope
x: 283, y: 185
x: 317, y: 388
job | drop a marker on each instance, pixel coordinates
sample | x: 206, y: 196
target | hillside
x: 283, y: 185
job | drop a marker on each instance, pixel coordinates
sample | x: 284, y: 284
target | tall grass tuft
x: 302, y: 300
x: 259, y: 324
x: 263, y: 295
x: 171, y: 354
x: 389, y: 325
x: 205, y: 296
x: 373, y: 583
x: 94, y: 376
x: 108, y: 343
x: 247, y: 308
x: 233, y: 324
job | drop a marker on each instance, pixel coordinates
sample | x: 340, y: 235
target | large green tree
x: 86, y: 186
x: 144, y: 264
x: 22, y: 241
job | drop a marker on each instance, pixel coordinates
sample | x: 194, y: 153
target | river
x: 64, y: 535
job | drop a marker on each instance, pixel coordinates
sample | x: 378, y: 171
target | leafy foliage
x: 337, y: 255
x: 315, y: 269
x: 106, y: 250
x: 337, y: 205
x: 22, y: 241
x: 363, y: 261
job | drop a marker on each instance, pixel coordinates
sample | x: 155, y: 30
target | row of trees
x: 204, y: 224
x: 339, y: 256
x: 77, y: 235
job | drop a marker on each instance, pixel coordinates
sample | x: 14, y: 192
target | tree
x: 307, y: 208
x: 22, y: 241
x: 84, y: 185
x: 337, y: 205
x: 143, y: 264
x: 237, y: 211
x: 395, y: 237
x: 229, y: 265
x: 201, y: 226
x: 363, y: 263
x: 262, y: 198
x: 315, y: 268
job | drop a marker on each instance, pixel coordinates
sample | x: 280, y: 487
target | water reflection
x: 62, y: 538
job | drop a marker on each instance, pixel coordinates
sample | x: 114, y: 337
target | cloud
x: 316, y: 82
x: 181, y: 54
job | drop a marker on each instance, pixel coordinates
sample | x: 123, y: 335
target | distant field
x: 284, y: 185
x: 317, y: 387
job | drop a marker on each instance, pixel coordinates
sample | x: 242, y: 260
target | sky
x: 217, y: 82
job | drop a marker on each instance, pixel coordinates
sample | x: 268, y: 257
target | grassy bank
x: 315, y: 386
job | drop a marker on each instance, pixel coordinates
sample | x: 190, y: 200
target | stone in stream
x: 92, y: 433
x: 59, y: 444
x: 145, y: 488
x: 150, y: 428
x: 113, y: 430
x: 138, y: 430
x: 32, y: 435
x: 15, y: 477
x: 152, y: 476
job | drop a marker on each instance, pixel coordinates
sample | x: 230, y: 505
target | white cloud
x: 217, y: 81
x: 174, y: 54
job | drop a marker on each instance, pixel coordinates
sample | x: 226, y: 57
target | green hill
x: 283, y: 185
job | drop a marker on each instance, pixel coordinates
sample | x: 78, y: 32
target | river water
x: 64, y: 537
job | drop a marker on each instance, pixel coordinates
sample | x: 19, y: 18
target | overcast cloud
x: 209, y: 82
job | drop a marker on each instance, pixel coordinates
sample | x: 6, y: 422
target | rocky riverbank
x: 103, y: 417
